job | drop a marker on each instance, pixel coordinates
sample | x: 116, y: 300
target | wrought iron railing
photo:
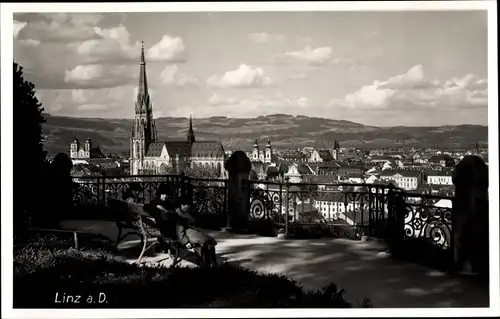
x: 423, y: 219
x: 209, y: 195
x: 362, y: 207
x: 366, y: 208
x: 97, y: 190
x: 356, y: 209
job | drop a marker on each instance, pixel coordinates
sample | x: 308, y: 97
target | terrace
x: 322, y: 235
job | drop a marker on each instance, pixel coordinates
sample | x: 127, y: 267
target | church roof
x: 155, y: 149
x: 207, y: 148
x: 185, y: 149
x: 181, y: 148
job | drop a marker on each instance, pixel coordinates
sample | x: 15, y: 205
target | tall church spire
x: 142, y: 93
x: 143, y: 129
x: 190, y: 134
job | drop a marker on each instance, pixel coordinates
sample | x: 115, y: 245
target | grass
x: 45, y: 268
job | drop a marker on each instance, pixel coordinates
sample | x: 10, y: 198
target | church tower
x: 255, y: 152
x: 143, y: 129
x: 336, y: 150
x: 190, y: 135
x: 269, y: 151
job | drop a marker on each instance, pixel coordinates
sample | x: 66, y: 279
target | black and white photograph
x: 250, y: 159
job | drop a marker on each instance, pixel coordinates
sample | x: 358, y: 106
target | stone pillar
x: 470, y: 216
x: 238, y: 167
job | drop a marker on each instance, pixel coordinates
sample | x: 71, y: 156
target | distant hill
x: 285, y: 131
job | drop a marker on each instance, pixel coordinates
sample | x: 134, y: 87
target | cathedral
x: 148, y: 156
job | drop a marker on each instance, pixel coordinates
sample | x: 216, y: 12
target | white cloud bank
x: 244, y: 76
x: 264, y: 37
x: 171, y: 76
x: 413, y: 89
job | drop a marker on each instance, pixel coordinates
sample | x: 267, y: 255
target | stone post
x: 470, y: 240
x: 238, y: 167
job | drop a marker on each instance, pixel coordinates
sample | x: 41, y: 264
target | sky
x: 413, y: 68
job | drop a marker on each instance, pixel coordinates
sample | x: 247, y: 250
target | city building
x: 150, y: 156
x: 294, y: 174
x: 442, y: 160
x: 326, y: 155
x: 332, y: 206
x: 441, y: 177
x: 407, y: 180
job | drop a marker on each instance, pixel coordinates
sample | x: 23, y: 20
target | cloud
x: 244, y: 76
x: 172, y: 76
x: 99, y: 76
x: 372, y: 34
x: 18, y: 26
x: 215, y: 99
x: 318, y: 56
x: 88, y: 102
x: 263, y: 37
x: 413, y: 89
x: 113, y: 45
x: 168, y: 49
x: 300, y: 75
x: 304, y: 39
x: 30, y: 42
x: 60, y: 27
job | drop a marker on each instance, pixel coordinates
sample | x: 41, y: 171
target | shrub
x: 38, y: 240
x: 40, y: 273
x: 423, y: 251
x: 265, y: 228
x: 316, y: 231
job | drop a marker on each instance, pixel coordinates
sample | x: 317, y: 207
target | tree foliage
x: 28, y: 154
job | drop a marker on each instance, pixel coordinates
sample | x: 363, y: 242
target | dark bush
x: 41, y: 274
x: 425, y: 252
x: 60, y: 240
x: 320, y: 230
x: 266, y: 228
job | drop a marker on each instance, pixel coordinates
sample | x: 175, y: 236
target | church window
x: 136, y: 149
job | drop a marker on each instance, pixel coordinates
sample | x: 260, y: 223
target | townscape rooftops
x: 404, y: 173
x: 351, y: 168
x: 272, y: 171
x: 95, y: 152
x: 356, y: 175
x: 322, y: 179
x: 380, y: 157
x: 324, y: 165
x: 325, y: 155
x: 441, y: 157
x: 304, y: 169
x: 440, y: 173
